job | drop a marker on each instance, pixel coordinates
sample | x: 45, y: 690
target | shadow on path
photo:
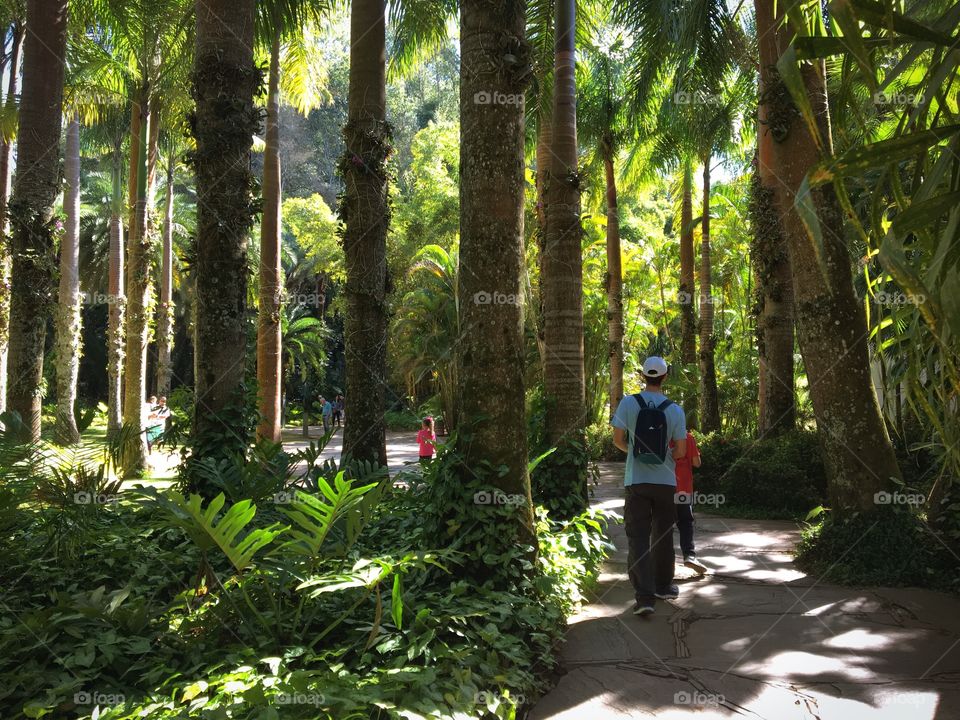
x: 755, y: 638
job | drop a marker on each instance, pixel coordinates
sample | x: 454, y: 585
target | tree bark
x: 776, y: 411
x: 35, y: 190
x: 269, y: 367
x: 138, y: 288
x: 490, y: 354
x: 709, y: 401
x: 562, y: 278
x: 543, y: 157
x: 68, y: 318
x: 614, y: 284
x: 117, y: 300
x: 831, y: 325
x: 688, y: 289
x: 225, y: 79
x: 5, y: 151
x: 365, y: 215
x: 165, y: 305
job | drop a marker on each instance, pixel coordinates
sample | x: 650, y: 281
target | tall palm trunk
x: 225, y: 79
x: 35, y: 190
x: 562, y: 278
x: 67, y: 315
x: 614, y: 283
x: 138, y: 287
x: 165, y: 304
x: 364, y: 212
x: 688, y: 289
x: 776, y: 411
x: 709, y: 402
x: 5, y: 149
x: 117, y: 300
x: 490, y: 354
x: 543, y: 158
x: 271, y: 271
x: 831, y: 325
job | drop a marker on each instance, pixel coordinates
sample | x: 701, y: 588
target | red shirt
x: 426, y: 440
x: 685, y: 466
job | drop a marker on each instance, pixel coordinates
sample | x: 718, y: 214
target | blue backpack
x: 651, y: 436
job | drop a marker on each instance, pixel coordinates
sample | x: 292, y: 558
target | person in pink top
x: 427, y: 439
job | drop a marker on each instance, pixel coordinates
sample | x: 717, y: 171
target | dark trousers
x: 649, y: 513
x: 685, y: 526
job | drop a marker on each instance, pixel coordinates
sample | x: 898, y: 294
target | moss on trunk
x: 35, y: 191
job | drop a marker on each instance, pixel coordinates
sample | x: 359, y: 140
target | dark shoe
x: 691, y: 562
x: 669, y: 593
x: 643, y: 608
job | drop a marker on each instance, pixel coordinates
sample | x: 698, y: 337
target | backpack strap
x: 665, y: 404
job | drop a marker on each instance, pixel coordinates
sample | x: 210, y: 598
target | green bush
x: 774, y: 477
x: 600, y: 445
x: 888, y: 546
x: 402, y: 420
x: 352, y: 600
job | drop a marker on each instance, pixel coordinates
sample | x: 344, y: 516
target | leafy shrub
x: 332, y: 603
x: 600, y: 445
x: 888, y: 546
x: 774, y: 477
x: 402, y: 420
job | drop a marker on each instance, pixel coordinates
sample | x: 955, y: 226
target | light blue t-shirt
x: 327, y: 408
x: 626, y: 418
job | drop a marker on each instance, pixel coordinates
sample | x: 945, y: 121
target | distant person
x: 337, y: 409
x: 427, y: 440
x: 326, y: 414
x: 156, y: 421
x: 643, y: 426
x: 684, y: 502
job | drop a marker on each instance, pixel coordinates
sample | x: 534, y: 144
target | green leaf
x: 885, y: 152
x: 789, y: 68
x: 396, y: 601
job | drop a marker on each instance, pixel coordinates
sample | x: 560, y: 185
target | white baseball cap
x: 655, y: 366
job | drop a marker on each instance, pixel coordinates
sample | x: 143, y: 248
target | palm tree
x: 776, y: 408
x: 225, y: 81
x: 31, y: 206
x: 16, y: 30
x: 67, y: 317
x: 831, y: 325
x: 490, y: 354
x: 364, y: 213
x: 271, y: 271
x: 679, y: 66
x: 688, y: 288
x: 562, y: 274
x: 283, y: 26
x: 603, y: 123
x: 165, y: 309
x: 427, y: 327
x: 137, y: 282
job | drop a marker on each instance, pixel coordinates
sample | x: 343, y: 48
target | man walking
x: 643, y: 426
x: 326, y: 413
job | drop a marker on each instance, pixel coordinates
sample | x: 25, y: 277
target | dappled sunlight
x: 797, y: 664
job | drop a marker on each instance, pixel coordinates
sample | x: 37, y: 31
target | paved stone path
x: 755, y: 638
x: 402, y: 449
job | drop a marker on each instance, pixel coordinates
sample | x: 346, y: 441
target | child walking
x: 427, y: 439
x: 684, y: 501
